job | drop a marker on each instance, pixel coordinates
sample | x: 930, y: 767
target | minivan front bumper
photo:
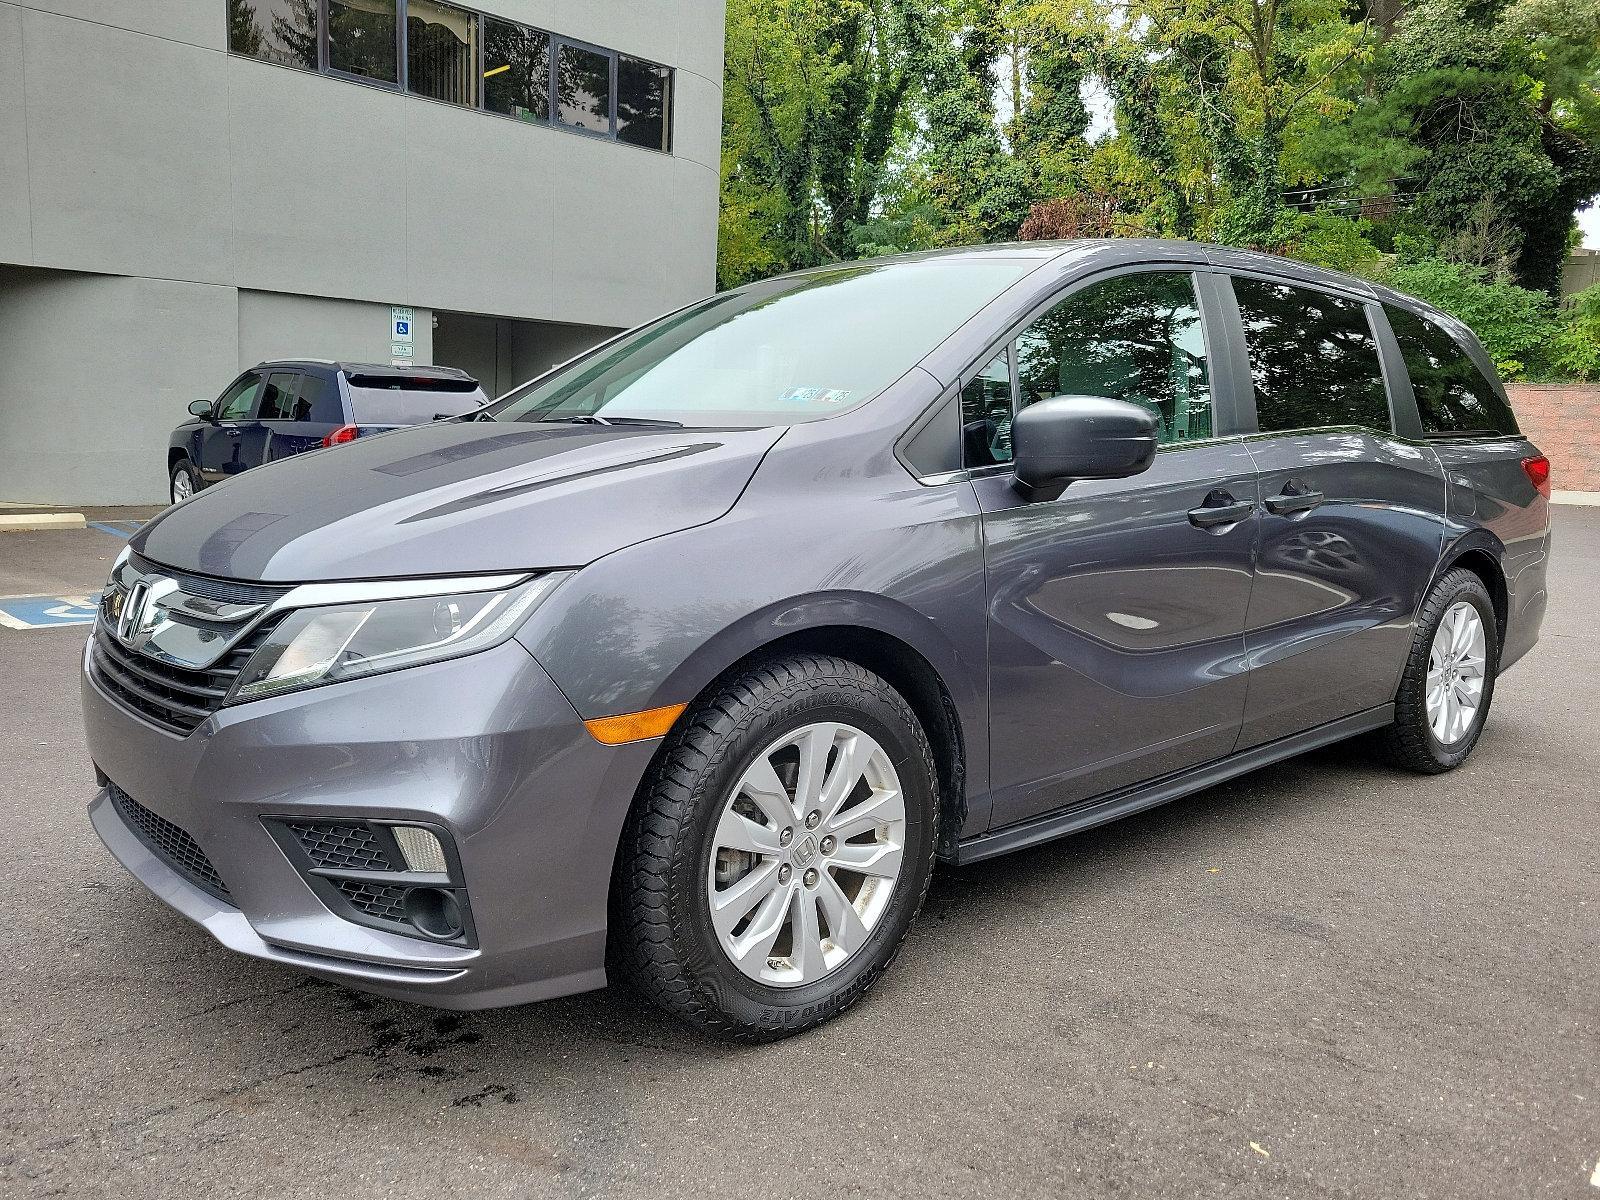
x: 484, y: 747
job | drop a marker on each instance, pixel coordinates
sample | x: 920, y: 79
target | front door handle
x: 1292, y: 500
x: 1220, y: 508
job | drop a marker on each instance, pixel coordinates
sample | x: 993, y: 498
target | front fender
x: 653, y: 624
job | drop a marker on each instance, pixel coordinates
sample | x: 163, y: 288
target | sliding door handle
x: 1287, y: 502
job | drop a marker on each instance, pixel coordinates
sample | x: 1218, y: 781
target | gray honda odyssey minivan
x: 684, y: 663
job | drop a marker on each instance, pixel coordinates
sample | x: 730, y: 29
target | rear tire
x: 813, y: 935
x: 1449, y: 678
x: 183, y: 482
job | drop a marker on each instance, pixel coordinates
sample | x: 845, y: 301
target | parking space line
x: 124, y: 534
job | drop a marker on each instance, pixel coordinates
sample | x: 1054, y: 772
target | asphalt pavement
x: 1325, y: 979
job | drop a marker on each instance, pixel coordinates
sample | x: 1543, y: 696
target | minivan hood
x: 457, y: 498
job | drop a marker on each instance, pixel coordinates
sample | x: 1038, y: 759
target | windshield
x: 773, y: 353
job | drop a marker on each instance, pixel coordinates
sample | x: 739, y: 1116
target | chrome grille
x: 225, y: 591
x: 175, y: 698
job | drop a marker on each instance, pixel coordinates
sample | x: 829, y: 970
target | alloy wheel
x: 806, y: 853
x: 1456, y: 673
x: 182, y: 487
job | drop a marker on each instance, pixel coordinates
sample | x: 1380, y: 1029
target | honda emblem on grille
x: 142, y: 611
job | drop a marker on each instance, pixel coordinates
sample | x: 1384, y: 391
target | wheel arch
x: 894, y: 642
x: 1482, y: 553
x: 176, y: 455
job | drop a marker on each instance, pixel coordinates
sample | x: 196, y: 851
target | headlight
x: 326, y: 644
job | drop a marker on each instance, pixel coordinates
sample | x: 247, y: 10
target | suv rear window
x: 1453, y: 397
x: 395, y: 400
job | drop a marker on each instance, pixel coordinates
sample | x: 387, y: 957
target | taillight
x: 345, y: 433
x: 1538, y: 472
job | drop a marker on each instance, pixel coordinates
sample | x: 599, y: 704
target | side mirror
x: 200, y: 408
x: 1056, y: 441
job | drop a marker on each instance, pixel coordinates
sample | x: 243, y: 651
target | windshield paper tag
x: 815, y: 395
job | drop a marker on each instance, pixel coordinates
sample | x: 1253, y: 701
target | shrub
x: 1575, y: 348
x: 1515, y: 325
x: 1338, y: 243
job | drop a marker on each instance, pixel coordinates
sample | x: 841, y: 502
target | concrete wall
x: 272, y: 325
x: 170, y: 213
x: 86, y: 417
x: 132, y: 143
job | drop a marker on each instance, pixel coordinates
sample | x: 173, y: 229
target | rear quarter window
x: 1454, y: 398
x: 411, y: 402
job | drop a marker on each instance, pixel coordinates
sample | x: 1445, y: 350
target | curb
x: 26, y: 522
x: 1590, y: 499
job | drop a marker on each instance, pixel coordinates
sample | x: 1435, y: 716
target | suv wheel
x: 1449, y: 679
x: 778, y: 851
x: 184, y: 481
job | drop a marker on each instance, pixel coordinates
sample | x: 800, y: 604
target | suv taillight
x: 1538, y: 472
x: 345, y: 433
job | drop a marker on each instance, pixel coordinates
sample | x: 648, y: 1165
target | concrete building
x: 188, y: 187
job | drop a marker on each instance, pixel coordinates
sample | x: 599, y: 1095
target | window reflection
x: 516, y: 70
x: 583, y: 89
x: 1137, y: 338
x: 642, y: 103
x: 986, y: 415
x: 1453, y: 397
x: 361, y: 38
x: 1313, y: 359
x: 277, y: 31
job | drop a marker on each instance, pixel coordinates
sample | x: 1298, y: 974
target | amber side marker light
x: 634, y: 727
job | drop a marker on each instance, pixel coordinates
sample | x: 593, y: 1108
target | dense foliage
x: 1441, y: 145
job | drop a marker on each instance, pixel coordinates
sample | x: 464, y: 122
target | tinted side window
x: 318, y: 400
x: 1313, y: 358
x: 277, y: 401
x: 1453, y: 397
x: 1136, y: 338
x: 236, y: 401
x: 986, y: 414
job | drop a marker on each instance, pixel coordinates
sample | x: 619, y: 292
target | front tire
x: 778, y: 851
x: 1449, y: 678
x: 183, y: 482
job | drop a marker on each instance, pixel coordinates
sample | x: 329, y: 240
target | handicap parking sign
x: 47, y: 612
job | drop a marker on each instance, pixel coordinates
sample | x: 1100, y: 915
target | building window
x: 643, y: 96
x: 516, y: 70
x: 448, y: 52
x: 583, y: 88
x: 442, y: 52
x: 363, y: 36
x: 277, y: 31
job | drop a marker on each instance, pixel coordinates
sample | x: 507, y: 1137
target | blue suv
x: 277, y: 409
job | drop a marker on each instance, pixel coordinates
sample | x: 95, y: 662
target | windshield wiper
x: 597, y: 419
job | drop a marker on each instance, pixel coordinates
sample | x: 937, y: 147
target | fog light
x: 434, y: 911
x: 421, y: 849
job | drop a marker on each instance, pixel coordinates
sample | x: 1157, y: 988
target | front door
x: 220, y: 451
x: 1116, y: 612
x: 1352, y: 516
